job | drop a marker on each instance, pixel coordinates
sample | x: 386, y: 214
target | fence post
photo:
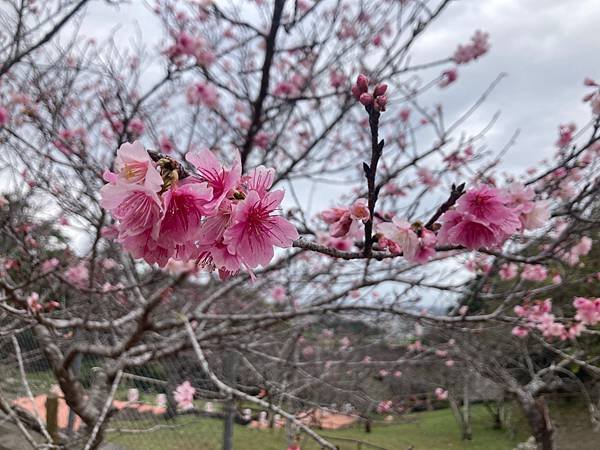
x: 52, y: 416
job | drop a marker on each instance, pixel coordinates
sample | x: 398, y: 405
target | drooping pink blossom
x: 136, y: 207
x: 185, y: 205
x: 480, y: 219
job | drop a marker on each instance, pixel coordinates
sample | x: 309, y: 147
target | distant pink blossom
x: 278, y: 293
x: 203, y: 94
x: 448, y: 77
x: 184, y: 395
x: 441, y: 394
x: 4, y: 116
x: 534, y: 272
x: 77, y: 275
x: 478, y: 47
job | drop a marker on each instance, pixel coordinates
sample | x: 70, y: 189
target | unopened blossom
x: 184, y: 395
x: 448, y: 77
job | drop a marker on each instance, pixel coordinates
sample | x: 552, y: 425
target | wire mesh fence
x: 145, y: 416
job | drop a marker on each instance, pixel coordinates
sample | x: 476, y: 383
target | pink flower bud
x: 366, y: 99
x: 356, y: 92
x: 589, y: 82
x: 380, y: 103
x: 380, y: 89
x: 363, y: 83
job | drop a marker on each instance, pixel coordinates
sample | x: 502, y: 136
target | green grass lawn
x: 433, y: 430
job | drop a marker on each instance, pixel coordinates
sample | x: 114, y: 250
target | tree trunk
x: 467, y: 433
x: 229, y: 374
x: 538, y: 417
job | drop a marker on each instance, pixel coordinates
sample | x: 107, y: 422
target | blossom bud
x: 363, y: 83
x: 380, y: 103
x: 380, y: 89
x: 366, y: 99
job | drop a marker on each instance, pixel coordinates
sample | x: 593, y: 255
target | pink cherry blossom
x: 184, y: 207
x: 211, y: 171
x: 203, y: 94
x: 441, y: 394
x: 136, y: 207
x: 278, y: 293
x: 77, y: 275
x: 4, y: 116
x: 184, y: 395
x: 481, y: 219
x: 134, y: 165
x: 33, y: 303
x: 256, y: 229
x: 534, y: 272
x: 400, y: 232
x: 478, y: 47
x: 588, y: 310
x: 508, y: 271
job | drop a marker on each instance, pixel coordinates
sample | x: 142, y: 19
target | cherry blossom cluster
x: 215, y: 216
x: 537, y: 315
x: 377, y: 99
x: 187, y: 46
x: 486, y: 216
x: 478, y: 47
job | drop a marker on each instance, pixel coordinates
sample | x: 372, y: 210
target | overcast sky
x: 546, y: 47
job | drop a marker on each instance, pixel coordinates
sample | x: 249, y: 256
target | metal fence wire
x: 146, y: 413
